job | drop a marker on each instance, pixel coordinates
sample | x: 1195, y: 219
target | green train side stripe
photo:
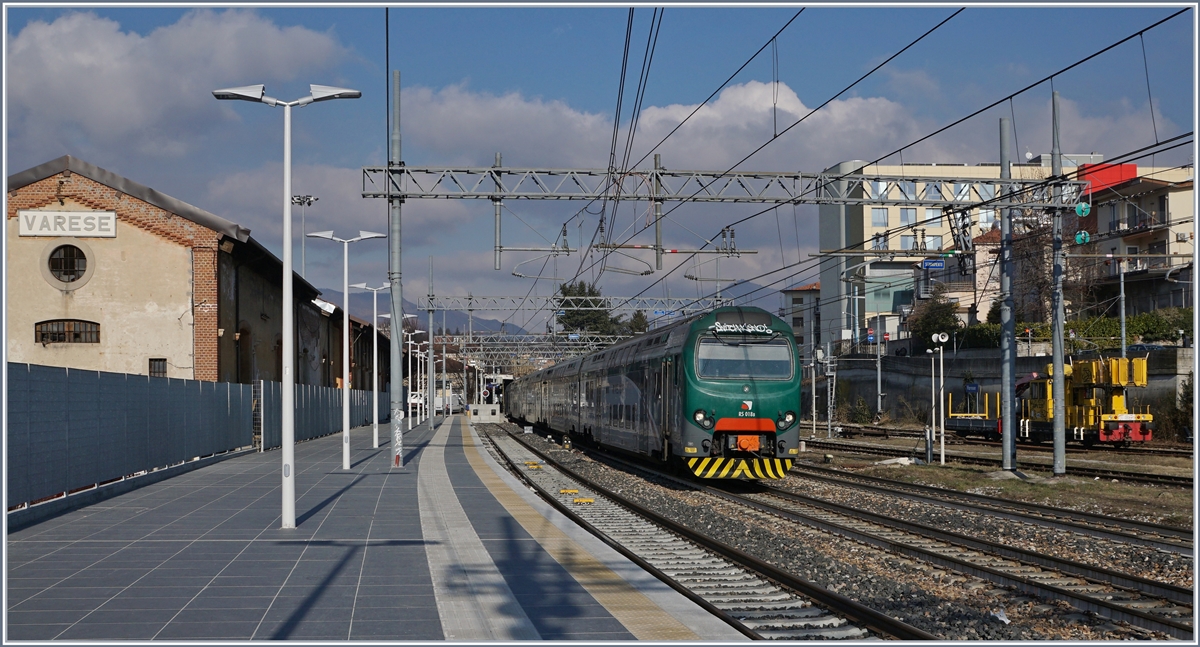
x: 756, y: 468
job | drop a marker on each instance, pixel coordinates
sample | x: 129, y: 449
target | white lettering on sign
x: 742, y: 329
x: 77, y: 224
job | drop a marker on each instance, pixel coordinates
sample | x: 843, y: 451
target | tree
x: 934, y: 315
x: 638, y: 323
x: 595, y: 321
x: 993, y: 315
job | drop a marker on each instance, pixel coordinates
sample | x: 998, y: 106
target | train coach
x: 716, y: 394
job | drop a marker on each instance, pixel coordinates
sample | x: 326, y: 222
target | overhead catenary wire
x: 976, y: 113
x: 958, y: 121
x: 1132, y: 155
x: 798, y: 122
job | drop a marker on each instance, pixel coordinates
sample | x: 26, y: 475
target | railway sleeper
x: 825, y: 620
x: 789, y: 614
x: 846, y: 632
x: 770, y: 594
x: 775, y: 606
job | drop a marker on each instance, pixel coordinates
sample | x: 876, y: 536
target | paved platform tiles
x: 451, y: 547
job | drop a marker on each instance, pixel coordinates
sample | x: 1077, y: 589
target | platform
x: 451, y: 547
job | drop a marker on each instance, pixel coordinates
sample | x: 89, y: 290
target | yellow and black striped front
x: 739, y: 468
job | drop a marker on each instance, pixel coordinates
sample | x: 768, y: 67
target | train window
x: 718, y: 359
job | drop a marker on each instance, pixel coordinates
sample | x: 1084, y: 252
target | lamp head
x: 361, y: 286
x: 327, y: 92
x: 363, y: 235
x: 928, y: 351
x: 244, y: 93
x: 322, y: 234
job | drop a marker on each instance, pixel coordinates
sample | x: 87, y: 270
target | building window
x: 908, y: 189
x: 987, y: 216
x: 933, y: 242
x: 797, y: 301
x: 879, y: 189
x: 66, y: 331
x: 797, y: 322
x: 878, y: 217
x: 933, y: 217
x: 68, y: 263
x: 908, y: 216
x: 158, y: 367
x: 908, y: 242
x: 962, y: 192
x: 933, y: 191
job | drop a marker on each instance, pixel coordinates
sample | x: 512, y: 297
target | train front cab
x: 740, y: 391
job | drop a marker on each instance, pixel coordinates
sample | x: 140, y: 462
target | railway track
x: 1138, y: 601
x: 1166, y: 538
x: 758, y: 599
x: 892, y: 432
x: 1091, y: 472
x: 1141, y: 602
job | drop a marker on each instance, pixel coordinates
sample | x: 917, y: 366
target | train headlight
x: 702, y: 419
x: 784, y: 421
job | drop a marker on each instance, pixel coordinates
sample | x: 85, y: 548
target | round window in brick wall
x: 68, y: 263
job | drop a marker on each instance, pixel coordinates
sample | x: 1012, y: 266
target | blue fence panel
x: 17, y: 471
x: 137, y: 422
x: 159, y: 420
x: 174, y: 434
x: 48, y: 470
x: 70, y: 428
x: 271, y: 430
x: 83, y: 443
x: 113, y: 457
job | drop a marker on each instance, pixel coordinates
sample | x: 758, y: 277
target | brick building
x: 107, y: 274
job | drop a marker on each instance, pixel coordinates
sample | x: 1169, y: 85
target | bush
x: 1105, y: 332
x: 860, y: 414
x: 1173, y: 416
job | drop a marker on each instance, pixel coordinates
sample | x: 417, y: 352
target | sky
x: 129, y: 89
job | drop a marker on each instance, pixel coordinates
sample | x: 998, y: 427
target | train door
x: 666, y: 402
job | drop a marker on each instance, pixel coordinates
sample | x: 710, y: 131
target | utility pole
x: 1056, y: 333
x: 830, y: 378
x: 396, y: 294
x: 445, y: 381
x: 470, y: 336
x: 1008, y: 350
x: 812, y: 357
x: 1121, y: 275
x: 431, y: 368
x: 879, y: 365
x: 658, y: 246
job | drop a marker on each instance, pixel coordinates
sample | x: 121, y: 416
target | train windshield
x: 722, y: 359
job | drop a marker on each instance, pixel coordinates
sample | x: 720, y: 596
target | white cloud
x: 83, y: 82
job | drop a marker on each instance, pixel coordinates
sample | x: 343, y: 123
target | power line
x: 944, y: 128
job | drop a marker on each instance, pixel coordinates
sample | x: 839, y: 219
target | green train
x: 717, y: 393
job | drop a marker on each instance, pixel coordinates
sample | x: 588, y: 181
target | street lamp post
x: 408, y: 343
x: 257, y: 94
x: 374, y: 358
x: 929, y: 437
x: 362, y: 235
x: 303, y: 201
x: 940, y: 338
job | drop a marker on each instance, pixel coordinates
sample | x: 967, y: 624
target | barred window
x: 68, y: 263
x: 158, y: 367
x: 67, y: 331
